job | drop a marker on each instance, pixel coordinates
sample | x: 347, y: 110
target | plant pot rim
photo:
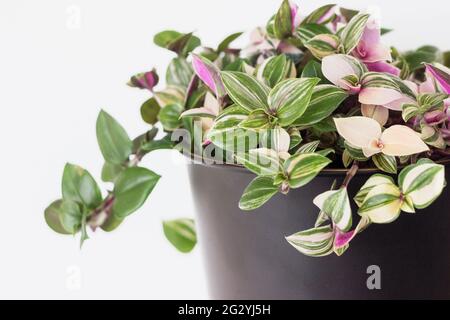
x: 325, y: 172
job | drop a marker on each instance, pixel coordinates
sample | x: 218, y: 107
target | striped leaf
x: 257, y: 119
x: 304, y: 167
x: 313, y: 69
x: 385, y: 163
x: 263, y: 162
x: 353, y: 31
x: 308, y: 31
x: 275, y: 69
x: 310, y: 147
x: 323, y: 45
x: 245, y: 90
x: 379, y: 80
x: 170, y: 117
x: 179, y: 73
x: 409, y: 111
x: 431, y: 100
x: 374, y: 180
x: 282, y: 27
x: 316, y: 242
x: 277, y: 139
x: 258, y: 192
x: 347, y: 159
x: 431, y: 136
x: 336, y: 205
x: 441, y: 74
x: 382, y: 204
x: 422, y: 182
x: 320, y: 15
x: 290, y: 98
x: 170, y: 95
x: 295, y: 138
x: 355, y: 152
x: 181, y: 234
x: 324, y: 101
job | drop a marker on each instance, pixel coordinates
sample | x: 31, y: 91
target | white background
x: 54, y: 78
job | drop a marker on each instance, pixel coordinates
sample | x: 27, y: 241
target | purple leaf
x: 441, y: 74
x: 382, y: 66
x: 209, y: 74
x: 146, y: 80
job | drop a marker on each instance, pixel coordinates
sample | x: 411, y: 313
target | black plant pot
x: 247, y: 257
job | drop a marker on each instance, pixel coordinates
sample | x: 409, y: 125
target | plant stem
x: 350, y: 174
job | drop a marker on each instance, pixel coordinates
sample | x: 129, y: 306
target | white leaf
x: 358, y: 131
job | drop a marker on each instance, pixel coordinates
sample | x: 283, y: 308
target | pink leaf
x: 209, y: 74
x: 400, y: 141
x: 358, y: 131
x: 441, y: 74
x: 383, y: 66
x: 378, y: 95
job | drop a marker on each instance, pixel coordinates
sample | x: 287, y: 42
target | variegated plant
x: 309, y: 92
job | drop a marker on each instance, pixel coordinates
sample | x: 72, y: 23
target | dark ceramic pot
x: 247, y: 257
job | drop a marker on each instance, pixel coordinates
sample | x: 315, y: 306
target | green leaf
x: 385, y: 163
x: 170, y: 117
x: 290, y: 98
x: 313, y: 69
x: 113, y: 140
x: 282, y: 27
x: 355, y: 153
x: 170, y: 95
x: 258, y: 192
x: 71, y: 216
x: 181, y: 234
x: 111, y: 171
x: 163, y: 144
x: 180, y: 43
x: 316, y: 242
x: 245, y: 90
x: 227, y: 41
x: 323, y: 45
x: 303, y: 167
x: 353, y: 31
x: 53, y: 215
x: 150, y: 110
x: 324, y: 101
x: 276, y: 69
x: 263, y: 162
x: 79, y: 186
x: 111, y: 224
x: 179, y: 72
x: 131, y: 190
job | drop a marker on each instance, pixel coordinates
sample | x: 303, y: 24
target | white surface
x: 54, y: 78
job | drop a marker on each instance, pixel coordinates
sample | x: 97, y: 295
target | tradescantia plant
x: 310, y: 92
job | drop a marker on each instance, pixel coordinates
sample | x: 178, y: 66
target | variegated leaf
x: 245, y: 90
x: 385, y: 163
x: 423, y: 183
x: 323, y: 45
x: 290, y: 98
x: 324, y: 101
x: 374, y: 180
x: 309, y: 147
x: 320, y: 15
x: 432, y: 137
x: 308, y: 31
x: 382, y: 204
x: 353, y: 31
x: 302, y: 168
x: 263, y: 162
x: 409, y: 111
x: 336, y: 205
x: 276, y: 69
x: 257, y: 119
x: 258, y: 192
x: 316, y: 242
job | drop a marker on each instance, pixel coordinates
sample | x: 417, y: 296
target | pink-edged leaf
x: 441, y: 74
x: 378, y: 95
x: 383, y: 66
x: 295, y: 15
x: 209, y: 74
x: 145, y: 80
x: 370, y: 49
x: 342, y: 239
x: 339, y: 66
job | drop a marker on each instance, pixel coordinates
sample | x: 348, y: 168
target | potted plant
x: 344, y: 134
